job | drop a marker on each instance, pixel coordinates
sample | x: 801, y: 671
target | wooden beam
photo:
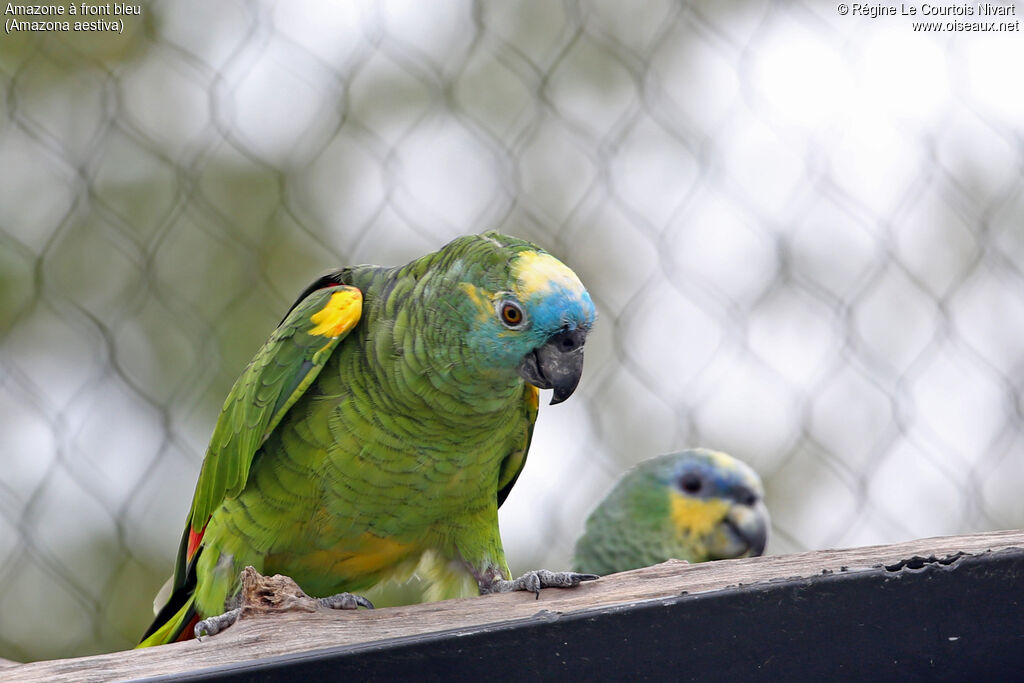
x: 263, y: 637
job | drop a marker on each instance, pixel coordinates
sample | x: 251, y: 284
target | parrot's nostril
x: 568, y: 340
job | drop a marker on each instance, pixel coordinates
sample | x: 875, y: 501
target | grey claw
x: 214, y: 625
x: 541, y: 578
x: 345, y: 601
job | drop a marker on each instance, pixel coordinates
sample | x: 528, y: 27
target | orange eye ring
x: 511, y: 314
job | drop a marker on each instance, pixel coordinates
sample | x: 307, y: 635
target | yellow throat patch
x: 694, y: 516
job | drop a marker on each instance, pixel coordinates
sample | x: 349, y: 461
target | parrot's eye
x: 511, y: 314
x: 690, y: 482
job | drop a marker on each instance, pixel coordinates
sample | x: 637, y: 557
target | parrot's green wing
x: 274, y: 380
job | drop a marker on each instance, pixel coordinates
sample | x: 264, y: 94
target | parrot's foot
x: 214, y: 625
x: 272, y: 595
x: 540, y: 578
x: 345, y: 601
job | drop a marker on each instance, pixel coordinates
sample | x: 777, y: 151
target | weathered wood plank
x: 262, y: 637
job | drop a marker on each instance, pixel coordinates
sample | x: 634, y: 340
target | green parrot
x: 376, y: 433
x: 695, y: 505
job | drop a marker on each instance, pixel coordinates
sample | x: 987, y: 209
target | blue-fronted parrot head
x: 716, y: 501
x: 694, y: 505
x: 526, y: 310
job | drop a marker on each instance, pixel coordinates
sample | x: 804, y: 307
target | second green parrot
x: 378, y: 430
x: 695, y: 505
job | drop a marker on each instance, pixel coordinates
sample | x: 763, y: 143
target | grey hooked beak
x: 558, y: 364
x: 749, y: 525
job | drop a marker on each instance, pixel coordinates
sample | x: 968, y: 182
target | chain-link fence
x: 804, y: 232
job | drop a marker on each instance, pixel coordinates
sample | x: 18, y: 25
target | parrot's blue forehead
x: 553, y: 292
x: 723, y: 471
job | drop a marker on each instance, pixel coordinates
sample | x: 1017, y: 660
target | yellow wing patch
x: 339, y: 314
x: 696, y: 517
x: 538, y: 273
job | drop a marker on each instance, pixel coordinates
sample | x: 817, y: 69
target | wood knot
x: 262, y: 594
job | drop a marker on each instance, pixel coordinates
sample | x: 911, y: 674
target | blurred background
x: 804, y: 233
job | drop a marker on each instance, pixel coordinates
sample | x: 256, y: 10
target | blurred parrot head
x: 695, y: 505
x: 520, y: 308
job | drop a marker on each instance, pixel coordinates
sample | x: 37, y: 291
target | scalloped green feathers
x: 377, y: 431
